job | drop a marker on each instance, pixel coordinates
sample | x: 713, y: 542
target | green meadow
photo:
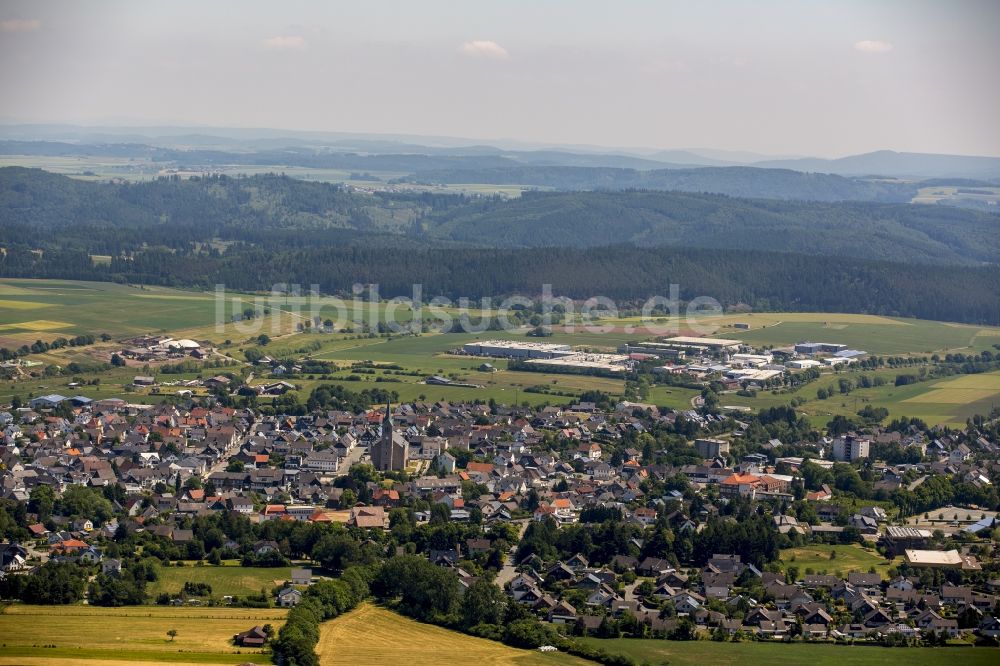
x: 840, y: 560
x: 225, y: 580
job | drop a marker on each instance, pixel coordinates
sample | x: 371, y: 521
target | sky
x: 768, y: 76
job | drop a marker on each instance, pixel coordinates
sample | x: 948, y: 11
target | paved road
x: 508, y: 572
x: 356, y: 455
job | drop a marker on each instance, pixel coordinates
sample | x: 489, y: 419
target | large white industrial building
x: 517, y: 349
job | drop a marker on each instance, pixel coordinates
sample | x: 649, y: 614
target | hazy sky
x: 823, y: 78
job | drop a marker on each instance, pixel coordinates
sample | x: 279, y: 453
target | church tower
x: 390, y: 452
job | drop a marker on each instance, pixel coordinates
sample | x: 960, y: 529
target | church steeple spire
x: 387, y: 419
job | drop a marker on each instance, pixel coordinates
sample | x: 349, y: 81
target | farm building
x: 254, y: 637
x: 181, y: 345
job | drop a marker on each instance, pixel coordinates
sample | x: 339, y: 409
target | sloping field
x: 88, y: 634
x: 98, y: 307
x: 963, y: 389
x: 373, y: 635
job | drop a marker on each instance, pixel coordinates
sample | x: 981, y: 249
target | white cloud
x: 285, y: 43
x: 873, y: 46
x: 485, y: 48
x: 20, y: 25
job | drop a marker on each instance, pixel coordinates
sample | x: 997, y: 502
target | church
x: 390, y: 452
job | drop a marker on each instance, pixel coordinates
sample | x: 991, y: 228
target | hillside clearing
x: 370, y: 635
x: 137, y: 633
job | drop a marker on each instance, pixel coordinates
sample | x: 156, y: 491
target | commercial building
x: 660, y: 349
x: 941, y: 559
x: 516, y: 349
x: 747, y: 375
x: 818, y: 348
x: 849, y: 449
x: 900, y: 539
x: 750, y: 360
x: 47, y: 401
x: 583, y: 363
x: 701, y: 344
x: 711, y: 448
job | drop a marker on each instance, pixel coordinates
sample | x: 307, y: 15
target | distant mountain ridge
x: 884, y: 163
x: 900, y: 165
x: 747, y: 182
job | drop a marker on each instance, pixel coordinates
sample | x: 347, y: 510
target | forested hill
x: 108, y: 218
x: 629, y: 275
x: 896, y: 232
x: 732, y: 181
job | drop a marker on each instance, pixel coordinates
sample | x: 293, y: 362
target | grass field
x: 705, y: 653
x: 849, y: 558
x: 84, y: 634
x: 100, y: 307
x: 877, y: 335
x: 947, y: 401
x: 372, y: 635
x: 225, y: 580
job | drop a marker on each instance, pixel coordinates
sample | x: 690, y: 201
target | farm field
x: 373, y: 635
x: 46, y: 309
x: 945, y: 401
x: 874, y: 334
x: 104, y: 168
x: 76, y: 308
x: 849, y: 558
x: 701, y: 653
x: 86, y: 634
x: 225, y: 580
x: 934, y: 194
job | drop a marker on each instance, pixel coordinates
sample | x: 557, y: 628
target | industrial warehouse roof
x: 703, y: 342
x: 897, y: 532
x: 934, y: 557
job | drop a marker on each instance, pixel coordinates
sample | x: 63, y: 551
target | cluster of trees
x: 40, y: 346
x: 127, y: 588
x: 335, y: 396
x: 51, y: 583
x: 326, y: 600
x: 936, y: 491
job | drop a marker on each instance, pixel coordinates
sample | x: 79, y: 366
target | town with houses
x: 600, y: 517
